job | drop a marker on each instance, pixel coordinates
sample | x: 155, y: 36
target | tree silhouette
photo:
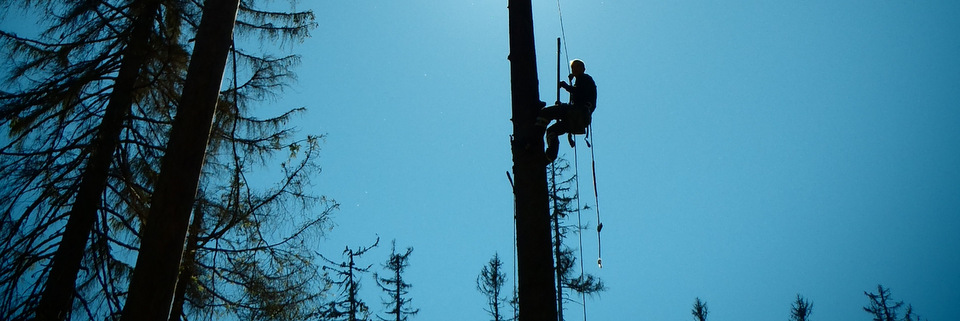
x: 564, y: 197
x: 347, y: 277
x: 699, y: 310
x: 910, y: 315
x: 394, y: 285
x: 232, y: 265
x: 490, y: 283
x: 801, y: 309
x: 238, y: 268
x: 154, y: 279
x: 87, y: 112
x: 55, y: 114
x: 882, y: 307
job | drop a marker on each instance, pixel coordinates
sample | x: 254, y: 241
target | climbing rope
x: 596, y: 194
x: 563, y: 35
x: 576, y: 164
x: 589, y: 142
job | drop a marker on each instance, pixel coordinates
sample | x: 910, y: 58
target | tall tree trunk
x: 535, y: 257
x: 187, y: 267
x: 56, y: 301
x: 158, y: 263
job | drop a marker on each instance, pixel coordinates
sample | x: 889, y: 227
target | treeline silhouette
x: 881, y: 307
x: 345, y: 279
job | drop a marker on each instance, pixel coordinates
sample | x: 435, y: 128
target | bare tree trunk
x: 187, y: 268
x: 56, y: 301
x: 158, y: 263
x: 535, y: 257
x: 352, y: 292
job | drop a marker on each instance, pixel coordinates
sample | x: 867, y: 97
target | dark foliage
x: 51, y: 107
x: 569, y: 274
x: 346, y: 276
x: 699, y: 310
x: 801, y: 309
x: 883, y: 308
x: 490, y: 283
x: 394, y: 285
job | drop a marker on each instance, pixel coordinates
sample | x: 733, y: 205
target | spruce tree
x: 490, y: 283
x: 394, y: 285
x: 569, y: 275
x: 882, y: 307
x: 699, y: 310
x: 801, y: 309
x: 346, y: 276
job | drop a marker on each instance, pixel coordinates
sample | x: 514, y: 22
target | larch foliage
x: 52, y: 104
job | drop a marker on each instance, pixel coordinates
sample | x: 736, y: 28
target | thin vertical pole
x: 558, y: 71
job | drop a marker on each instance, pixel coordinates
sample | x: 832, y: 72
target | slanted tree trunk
x: 158, y: 263
x: 58, y: 294
x: 535, y: 256
x: 187, y: 266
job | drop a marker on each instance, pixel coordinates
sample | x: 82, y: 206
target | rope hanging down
x: 576, y: 164
x: 596, y: 195
x: 588, y: 140
x: 564, y: 36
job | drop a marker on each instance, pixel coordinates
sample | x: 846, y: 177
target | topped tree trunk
x: 56, y: 302
x: 155, y: 275
x: 537, y: 293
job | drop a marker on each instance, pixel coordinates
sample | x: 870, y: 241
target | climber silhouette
x: 572, y: 118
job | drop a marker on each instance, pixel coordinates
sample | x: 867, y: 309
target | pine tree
x: 395, y: 286
x: 699, y: 310
x: 801, y: 309
x: 490, y: 283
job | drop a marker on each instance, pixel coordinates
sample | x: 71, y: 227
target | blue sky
x: 747, y: 151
